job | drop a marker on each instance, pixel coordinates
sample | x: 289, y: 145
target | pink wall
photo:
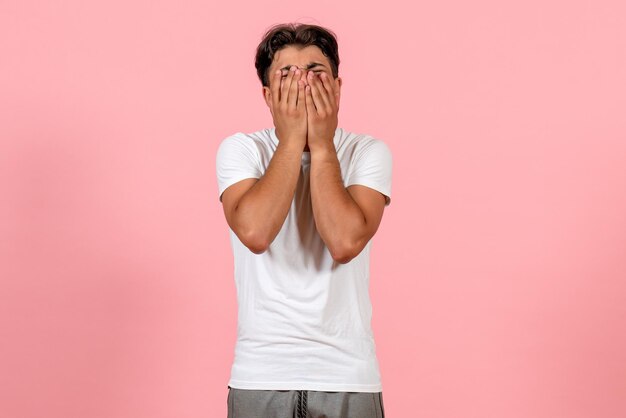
x: 498, y: 272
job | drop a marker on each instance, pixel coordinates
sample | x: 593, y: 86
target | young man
x: 303, y: 200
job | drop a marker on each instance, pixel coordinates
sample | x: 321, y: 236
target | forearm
x: 264, y: 207
x: 337, y: 216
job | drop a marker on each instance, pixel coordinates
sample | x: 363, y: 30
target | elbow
x: 255, y: 242
x: 257, y: 249
x: 343, y: 259
x: 344, y: 255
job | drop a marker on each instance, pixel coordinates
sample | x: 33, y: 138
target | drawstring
x: 302, y: 404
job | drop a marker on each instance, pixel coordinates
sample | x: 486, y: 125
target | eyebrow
x: 308, y: 67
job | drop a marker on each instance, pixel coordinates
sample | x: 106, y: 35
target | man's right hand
x: 288, y: 106
x: 256, y: 208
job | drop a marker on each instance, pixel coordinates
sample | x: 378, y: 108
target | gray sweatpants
x: 248, y: 403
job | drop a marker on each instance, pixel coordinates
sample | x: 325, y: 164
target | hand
x: 289, y: 113
x: 321, y: 109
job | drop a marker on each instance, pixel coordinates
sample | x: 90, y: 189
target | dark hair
x: 297, y: 34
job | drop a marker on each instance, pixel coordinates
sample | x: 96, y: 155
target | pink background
x: 498, y: 273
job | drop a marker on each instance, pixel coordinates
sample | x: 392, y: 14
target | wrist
x: 292, y: 143
x: 324, y: 151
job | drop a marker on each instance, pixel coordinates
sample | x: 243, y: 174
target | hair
x: 297, y: 34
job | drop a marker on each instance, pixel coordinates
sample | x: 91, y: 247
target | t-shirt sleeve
x: 236, y: 159
x: 372, y: 167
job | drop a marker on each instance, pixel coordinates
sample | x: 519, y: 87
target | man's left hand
x: 322, y: 108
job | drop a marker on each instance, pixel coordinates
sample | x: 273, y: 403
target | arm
x: 346, y: 219
x: 257, y: 210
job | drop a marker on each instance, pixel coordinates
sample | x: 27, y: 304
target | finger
x: 318, y: 100
x: 275, y: 86
x: 283, y: 77
x: 329, y: 86
x: 323, y: 94
x: 309, y: 92
x: 310, y: 106
x: 301, y: 92
x: 284, y: 90
x: 292, y: 100
x: 300, y: 104
x: 303, y: 77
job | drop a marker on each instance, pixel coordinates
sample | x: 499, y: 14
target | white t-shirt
x: 303, y: 318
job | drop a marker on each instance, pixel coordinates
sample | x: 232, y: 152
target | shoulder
x: 242, y: 138
x: 360, y: 144
x: 258, y: 141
